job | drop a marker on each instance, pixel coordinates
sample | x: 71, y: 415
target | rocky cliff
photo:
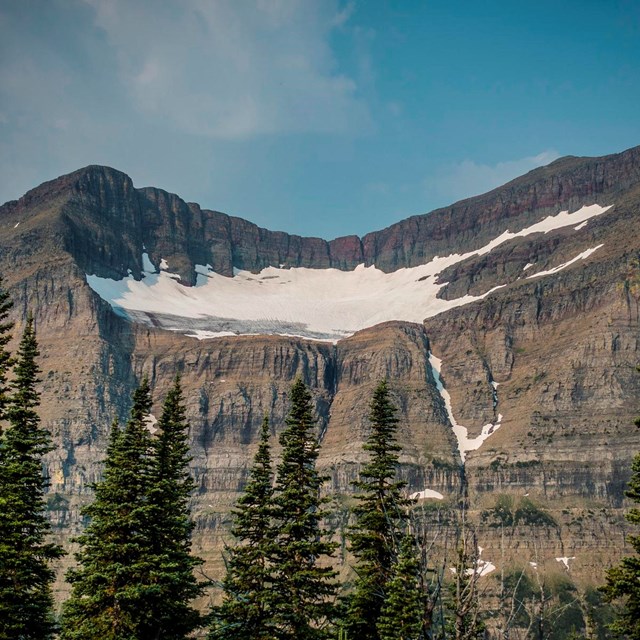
x: 542, y: 370
x: 107, y: 222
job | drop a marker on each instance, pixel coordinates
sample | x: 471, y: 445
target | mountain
x: 507, y: 324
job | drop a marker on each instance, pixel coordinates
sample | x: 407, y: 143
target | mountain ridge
x: 561, y: 348
x: 205, y: 236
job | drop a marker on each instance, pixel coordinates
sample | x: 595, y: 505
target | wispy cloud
x: 166, y: 91
x: 469, y: 178
x: 229, y: 69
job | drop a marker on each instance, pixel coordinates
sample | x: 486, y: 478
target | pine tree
x: 173, y: 617
x: 111, y: 588
x: 5, y: 357
x: 26, y: 601
x: 402, y: 611
x: 623, y: 580
x: 245, y: 611
x: 303, y: 591
x: 379, y: 518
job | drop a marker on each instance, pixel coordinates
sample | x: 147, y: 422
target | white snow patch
x: 494, y: 384
x: 465, y: 443
x: 326, y: 304
x: 482, y: 568
x: 550, y: 223
x: 426, y: 493
x: 321, y: 304
x: 147, y: 265
x: 203, y: 270
x: 527, y: 266
x: 150, y: 422
x: 15, y: 226
x: 205, y: 335
x: 581, y: 256
x: 582, y: 225
x: 565, y: 561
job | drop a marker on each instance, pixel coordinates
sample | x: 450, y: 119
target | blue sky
x: 318, y: 117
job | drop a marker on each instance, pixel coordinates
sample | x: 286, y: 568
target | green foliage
x: 111, y: 588
x: 26, y: 601
x: 245, y: 613
x: 565, y: 616
x: 528, y: 513
x: 135, y: 576
x: 598, y: 612
x: 401, y: 614
x: 502, y: 513
x: 380, y: 514
x: 547, y: 606
x: 171, y: 485
x: 623, y: 580
x: 507, y: 513
x: 303, y: 591
x: 5, y: 357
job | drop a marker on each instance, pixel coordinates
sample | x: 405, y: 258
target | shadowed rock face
x: 562, y: 348
x: 107, y: 221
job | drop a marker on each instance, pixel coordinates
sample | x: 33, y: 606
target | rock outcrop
x: 548, y: 362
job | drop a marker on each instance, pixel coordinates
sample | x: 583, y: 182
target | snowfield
x: 319, y: 304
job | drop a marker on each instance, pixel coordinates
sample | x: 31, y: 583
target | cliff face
x: 107, y: 222
x: 548, y: 362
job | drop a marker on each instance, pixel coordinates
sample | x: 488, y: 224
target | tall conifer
x: 26, y: 601
x: 379, y: 518
x: 402, y: 612
x: 111, y: 588
x: 171, y: 485
x: 303, y: 591
x: 623, y: 580
x: 5, y: 356
x: 245, y: 613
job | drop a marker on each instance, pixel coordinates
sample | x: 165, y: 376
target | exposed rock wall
x: 562, y: 348
x: 108, y: 222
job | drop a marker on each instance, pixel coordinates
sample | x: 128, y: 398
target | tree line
x: 135, y: 577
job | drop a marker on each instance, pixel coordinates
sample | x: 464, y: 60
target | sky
x: 316, y: 117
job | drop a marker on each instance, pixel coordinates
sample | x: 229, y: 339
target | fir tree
x: 402, y: 611
x: 111, y: 588
x: 623, y: 580
x: 26, y: 601
x: 245, y: 612
x: 5, y: 356
x: 379, y: 518
x: 303, y: 591
x: 171, y: 485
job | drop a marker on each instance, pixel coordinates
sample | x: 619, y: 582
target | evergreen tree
x: 5, y: 356
x: 26, y: 601
x: 623, y: 580
x: 303, y: 591
x: 111, y: 588
x: 402, y: 611
x: 379, y: 518
x: 245, y: 611
x: 171, y: 485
